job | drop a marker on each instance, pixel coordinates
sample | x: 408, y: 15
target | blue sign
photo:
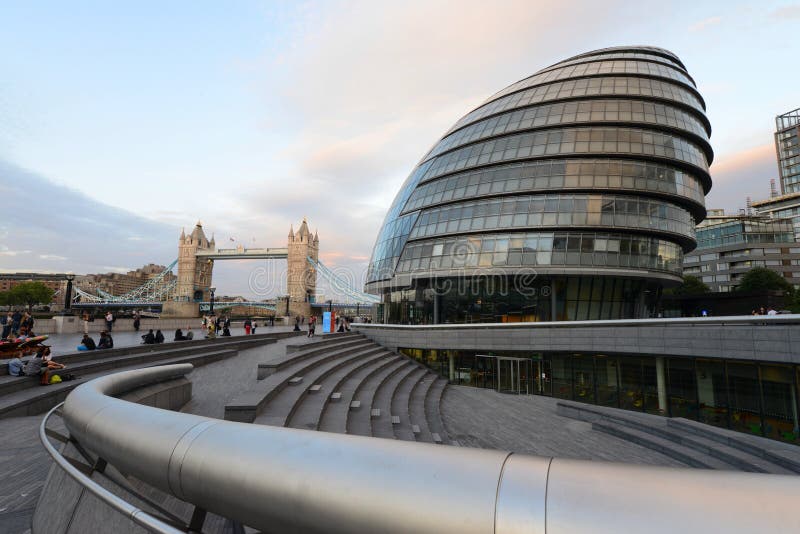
x: 326, y: 322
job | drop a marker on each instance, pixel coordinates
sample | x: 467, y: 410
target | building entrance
x: 507, y: 374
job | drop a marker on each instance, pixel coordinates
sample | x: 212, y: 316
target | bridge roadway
x: 241, y: 253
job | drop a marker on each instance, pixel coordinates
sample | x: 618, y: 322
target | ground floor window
x: 752, y: 397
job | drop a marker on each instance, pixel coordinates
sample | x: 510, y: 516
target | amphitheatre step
x: 382, y: 400
x: 96, y: 361
x: 308, y: 414
x: 433, y: 409
x: 400, y: 404
x: 34, y: 401
x: 663, y: 428
x: 359, y: 422
x: 681, y: 453
x: 249, y: 405
x: 277, y: 364
x: 416, y: 408
x: 785, y: 455
x: 335, y: 413
x: 280, y: 409
x: 324, y: 340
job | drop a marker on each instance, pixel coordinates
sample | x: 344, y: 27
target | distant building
x: 119, y: 284
x: 787, y: 145
x: 56, y: 282
x: 780, y: 207
x: 730, y: 245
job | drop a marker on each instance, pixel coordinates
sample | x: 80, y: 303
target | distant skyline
x: 122, y: 123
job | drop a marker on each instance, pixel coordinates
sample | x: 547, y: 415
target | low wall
x: 763, y: 338
x: 73, y: 324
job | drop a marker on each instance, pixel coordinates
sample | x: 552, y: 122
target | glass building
x: 728, y: 246
x: 571, y: 194
x: 787, y: 145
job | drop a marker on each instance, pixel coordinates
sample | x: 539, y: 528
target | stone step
x: 315, y: 388
x: 433, y: 412
x: 395, y: 419
x: 383, y: 397
x: 784, y: 455
x: 355, y: 405
x: 375, y: 413
x: 336, y: 396
x: 308, y: 413
x: 324, y: 341
x: 400, y: 403
x: 335, y: 415
x: 297, y: 380
x: 34, y: 401
x: 416, y: 408
x: 280, y: 363
x: 681, y: 453
x: 361, y: 424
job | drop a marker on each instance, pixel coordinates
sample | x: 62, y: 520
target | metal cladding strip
x: 279, y: 479
x: 610, y: 498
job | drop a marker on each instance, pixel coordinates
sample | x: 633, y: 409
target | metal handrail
x: 137, y: 515
x: 287, y: 480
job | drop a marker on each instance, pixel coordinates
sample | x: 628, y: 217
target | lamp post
x: 68, y: 297
x: 212, y: 289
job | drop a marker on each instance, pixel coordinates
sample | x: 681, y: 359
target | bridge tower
x: 301, y: 278
x: 194, y: 275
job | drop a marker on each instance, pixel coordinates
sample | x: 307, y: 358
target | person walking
x: 247, y: 326
x: 109, y: 321
x: 255, y: 325
x: 312, y: 325
x: 85, y: 322
x: 136, y: 321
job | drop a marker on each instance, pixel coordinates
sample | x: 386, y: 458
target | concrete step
x: 247, y: 406
x: 433, y: 410
x: 281, y: 407
x: 308, y: 415
x: 416, y: 408
x: 335, y: 414
x: 323, y: 341
x: 382, y: 400
x: 280, y: 363
x: 781, y: 454
x: 676, y: 451
x: 400, y: 404
x: 359, y: 423
x: 38, y: 400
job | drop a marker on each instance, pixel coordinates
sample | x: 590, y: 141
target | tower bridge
x: 197, y: 254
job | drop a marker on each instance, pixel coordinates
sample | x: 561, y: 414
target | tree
x: 691, y: 286
x: 762, y: 279
x: 30, y: 294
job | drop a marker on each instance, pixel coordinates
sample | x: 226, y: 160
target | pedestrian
x: 87, y: 343
x: 149, y: 338
x: 302, y: 319
x: 136, y: 321
x: 106, y: 341
x: 297, y: 324
x: 248, y: 324
x: 159, y: 337
x: 15, y: 320
x: 109, y: 321
x: 189, y: 334
x: 7, y: 321
x: 272, y: 320
x: 85, y: 322
x: 255, y: 325
x: 312, y: 325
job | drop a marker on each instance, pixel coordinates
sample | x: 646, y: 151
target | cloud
x: 786, y: 12
x: 742, y: 174
x: 705, y: 23
x: 5, y: 251
x: 51, y: 257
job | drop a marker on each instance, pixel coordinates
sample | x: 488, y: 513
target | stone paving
x: 528, y: 424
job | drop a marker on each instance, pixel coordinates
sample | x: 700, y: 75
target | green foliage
x: 29, y: 294
x: 763, y: 279
x: 691, y: 286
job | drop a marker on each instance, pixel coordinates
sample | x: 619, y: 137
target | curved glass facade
x: 594, y: 168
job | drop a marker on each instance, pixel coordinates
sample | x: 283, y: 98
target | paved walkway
x: 528, y: 424
x: 67, y: 343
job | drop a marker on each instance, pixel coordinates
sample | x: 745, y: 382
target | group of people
x: 342, y: 324
x: 87, y: 343
x: 180, y: 336
x: 152, y: 339
x: 17, y: 324
x: 762, y: 311
x: 40, y: 365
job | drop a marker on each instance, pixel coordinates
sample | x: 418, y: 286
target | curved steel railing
x: 280, y: 480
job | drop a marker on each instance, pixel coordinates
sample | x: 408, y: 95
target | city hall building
x: 572, y: 194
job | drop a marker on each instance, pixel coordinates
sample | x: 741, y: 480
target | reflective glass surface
x: 560, y: 142
x: 611, y: 85
x: 592, y: 249
x: 564, y: 210
x: 619, y: 55
x: 605, y: 174
x: 563, y: 113
x: 599, y: 67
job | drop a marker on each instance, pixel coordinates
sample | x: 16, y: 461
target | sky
x: 121, y: 123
